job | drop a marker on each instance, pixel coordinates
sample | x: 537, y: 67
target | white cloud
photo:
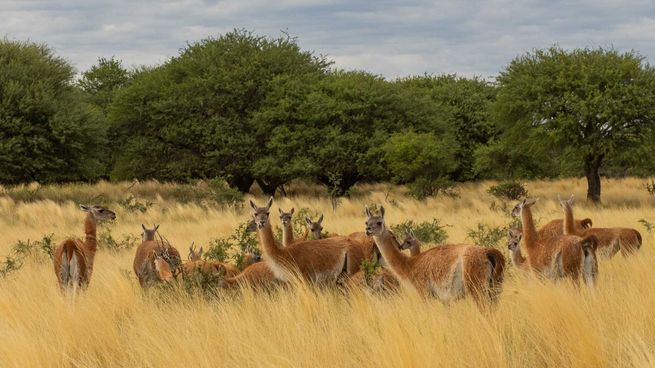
x: 392, y: 38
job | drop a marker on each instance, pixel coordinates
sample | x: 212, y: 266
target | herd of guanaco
x: 563, y: 248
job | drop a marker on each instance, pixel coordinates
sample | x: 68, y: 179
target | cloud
x: 391, y: 38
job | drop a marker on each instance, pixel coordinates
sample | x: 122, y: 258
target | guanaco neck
x: 287, y: 235
x: 394, y: 258
x: 267, y: 242
x: 529, y: 230
x: 415, y: 249
x: 569, y: 224
x: 517, y: 258
x: 90, y: 242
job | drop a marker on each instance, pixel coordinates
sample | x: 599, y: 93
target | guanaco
x: 147, y: 259
x: 447, y: 272
x: 317, y: 261
x: 610, y: 240
x: 74, y: 258
x: 557, y: 257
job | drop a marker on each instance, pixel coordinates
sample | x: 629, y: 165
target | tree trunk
x: 242, y: 183
x: 592, y: 167
x: 268, y: 188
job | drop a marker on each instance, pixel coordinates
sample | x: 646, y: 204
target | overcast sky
x: 391, y: 38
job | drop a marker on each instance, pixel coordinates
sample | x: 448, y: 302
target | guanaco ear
x: 280, y: 211
x: 571, y: 199
x: 200, y: 252
x: 143, y: 227
x: 320, y: 219
x: 85, y: 208
x: 156, y: 227
x: 368, y: 212
x: 292, y: 210
x: 411, y: 233
x: 270, y: 203
x: 382, y: 211
x: 308, y: 220
x: 253, y: 205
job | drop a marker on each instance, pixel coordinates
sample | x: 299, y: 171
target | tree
x: 101, y: 81
x: 589, y: 102
x: 201, y: 108
x: 465, y: 105
x: 47, y: 132
x: 423, y: 160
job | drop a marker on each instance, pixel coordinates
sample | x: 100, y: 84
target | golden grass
x: 536, y: 324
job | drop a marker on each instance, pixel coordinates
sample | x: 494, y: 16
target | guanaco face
x: 315, y: 228
x: 412, y: 243
x: 375, y: 224
x: 261, y: 215
x: 525, y: 203
x: 99, y: 212
x: 285, y: 217
x: 148, y: 234
x: 514, y: 239
x: 565, y: 202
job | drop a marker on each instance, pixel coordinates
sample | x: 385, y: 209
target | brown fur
x: 256, y: 276
x: 381, y: 281
x: 75, y: 254
x: 144, y: 261
x: 610, y: 240
x: 556, y: 257
x: 318, y: 261
x: 448, y: 272
x: 556, y: 227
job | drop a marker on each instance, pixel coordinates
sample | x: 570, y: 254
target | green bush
x: 40, y: 250
x: 486, y: 235
x: 511, y: 190
x: 427, y: 232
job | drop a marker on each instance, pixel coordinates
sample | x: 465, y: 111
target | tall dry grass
x: 536, y: 324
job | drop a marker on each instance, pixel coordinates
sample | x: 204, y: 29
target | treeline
x: 253, y: 109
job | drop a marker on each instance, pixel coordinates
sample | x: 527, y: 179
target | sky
x: 390, y: 38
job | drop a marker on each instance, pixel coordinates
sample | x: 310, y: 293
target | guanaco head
x: 410, y: 241
x: 251, y: 257
x: 162, y: 267
x: 261, y: 214
x: 99, y: 212
x: 565, y: 202
x: 148, y: 234
x: 251, y: 227
x: 194, y: 255
x: 285, y: 217
x: 375, y: 224
x: 525, y: 203
x: 514, y: 239
x: 315, y: 228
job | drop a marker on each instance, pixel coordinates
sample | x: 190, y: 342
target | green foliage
x: 427, y: 232
x: 101, y: 82
x: 106, y: 239
x: 422, y: 159
x: 369, y: 267
x: 242, y: 241
x: 40, y: 250
x: 587, y: 103
x: 47, y: 132
x: 487, y: 236
x: 512, y: 190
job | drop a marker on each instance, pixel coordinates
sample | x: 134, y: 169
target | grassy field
x: 536, y: 324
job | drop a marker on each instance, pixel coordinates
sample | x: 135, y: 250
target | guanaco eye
x: 379, y: 223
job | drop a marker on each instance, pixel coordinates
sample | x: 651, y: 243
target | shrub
x: 427, y: 232
x: 234, y: 246
x: 107, y: 241
x: 132, y: 204
x: 511, y: 190
x: 39, y: 250
x: 486, y: 235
